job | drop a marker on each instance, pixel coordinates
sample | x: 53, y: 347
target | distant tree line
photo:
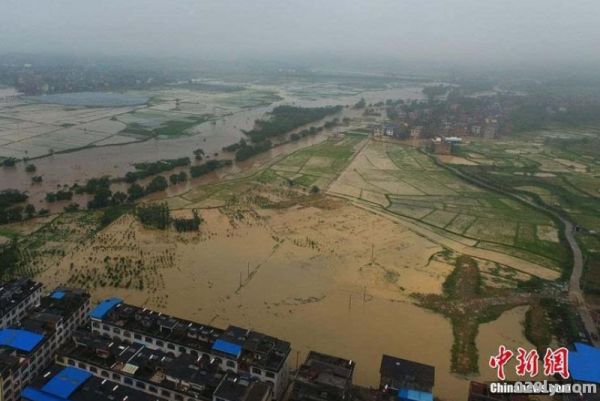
x: 183, y: 225
x: 155, y: 215
x: 209, y: 166
x: 284, y: 119
x: 144, y: 170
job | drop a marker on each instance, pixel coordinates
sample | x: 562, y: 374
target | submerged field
x: 406, y: 182
x: 61, y: 123
x: 557, y: 167
x: 326, y: 247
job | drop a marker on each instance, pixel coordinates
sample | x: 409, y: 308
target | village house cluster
x: 55, y: 347
x: 461, y: 117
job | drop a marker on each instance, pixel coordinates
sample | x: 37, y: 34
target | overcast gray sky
x: 454, y: 30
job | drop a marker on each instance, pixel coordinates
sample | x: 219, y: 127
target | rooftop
x: 584, y: 361
x: 71, y: 384
x: 249, y: 347
x: 323, y: 377
x: 404, y: 370
x: 234, y: 388
x: 53, y: 309
x: 14, y: 292
x: 21, y: 340
x: 188, y: 374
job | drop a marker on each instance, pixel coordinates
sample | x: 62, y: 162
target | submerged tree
x: 155, y: 215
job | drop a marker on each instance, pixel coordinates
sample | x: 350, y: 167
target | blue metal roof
x: 227, y: 348
x: 22, y: 340
x: 58, y: 295
x: 405, y: 394
x: 104, y: 307
x: 66, y: 382
x: 584, y: 363
x: 31, y: 394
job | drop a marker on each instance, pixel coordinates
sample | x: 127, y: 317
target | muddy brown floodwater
x: 304, y: 274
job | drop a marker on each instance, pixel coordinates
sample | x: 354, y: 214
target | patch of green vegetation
x: 170, y: 128
x: 284, y: 119
x: 144, y: 170
x: 468, y: 304
x: 156, y: 215
x: 537, y: 328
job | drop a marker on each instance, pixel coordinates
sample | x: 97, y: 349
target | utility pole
x: 372, y: 253
x: 350, y: 302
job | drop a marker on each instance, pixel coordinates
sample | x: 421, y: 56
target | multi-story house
x: 323, y: 378
x: 185, y: 377
x: 245, y: 352
x: 17, y: 298
x: 406, y: 380
x: 58, y: 383
x: 28, y: 348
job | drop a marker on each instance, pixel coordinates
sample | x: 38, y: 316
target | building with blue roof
x: 584, y: 363
x: 409, y: 380
x: 405, y: 394
x: 104, y: 308
x: 26, y: 350
x: 21, y: 340
x: 227, y: 347
x: 246, y: 352
x: 72, y: 384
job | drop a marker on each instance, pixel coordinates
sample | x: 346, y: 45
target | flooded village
x: 350, y: 236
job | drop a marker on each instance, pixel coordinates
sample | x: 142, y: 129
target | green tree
x: 135, y: 191
x: 30, y: 210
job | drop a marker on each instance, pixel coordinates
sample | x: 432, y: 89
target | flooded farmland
x: 304, y: 274
x: 117, y: 159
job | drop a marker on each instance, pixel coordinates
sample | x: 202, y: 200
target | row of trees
x: 144, y: 170
x: 158, y: 215
x: 284, y: 119
x: 155, y: 215
x: 209, y: 166
x: 10, y: 209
